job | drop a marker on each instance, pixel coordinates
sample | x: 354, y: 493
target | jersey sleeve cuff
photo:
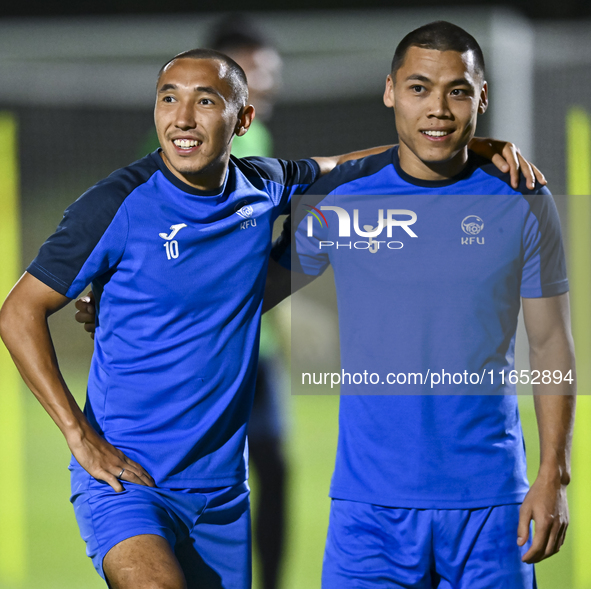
x: 316, y: 166
x: 546, y: 290
x: 48, y: 278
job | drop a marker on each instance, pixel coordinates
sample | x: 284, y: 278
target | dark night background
x: 540, y: 9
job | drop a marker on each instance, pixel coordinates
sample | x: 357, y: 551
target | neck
x: 431, y: 171
x: 209, y: 179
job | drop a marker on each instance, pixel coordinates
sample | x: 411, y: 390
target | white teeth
x: 186, y: 143
x: 436, y: 133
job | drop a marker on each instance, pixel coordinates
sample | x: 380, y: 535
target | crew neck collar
x: 466, y: 171
x: 183, y: 185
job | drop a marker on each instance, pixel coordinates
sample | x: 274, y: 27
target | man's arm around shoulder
x: 503, y: 154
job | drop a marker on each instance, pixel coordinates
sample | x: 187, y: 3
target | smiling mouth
x: 437, y: 134
x: 187, y: 144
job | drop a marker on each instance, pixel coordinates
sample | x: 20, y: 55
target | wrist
x: 555, y: 473
x: 76, y: 431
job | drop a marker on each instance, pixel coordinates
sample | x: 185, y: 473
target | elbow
x: 12, y: 320
x: 559, y: 344
x: 6, y: 319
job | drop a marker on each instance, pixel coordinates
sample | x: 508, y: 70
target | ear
x: 245, y: 118
x: 389, y: 92
x: 483, y: 104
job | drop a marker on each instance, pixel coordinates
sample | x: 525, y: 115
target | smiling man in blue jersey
x: 430, y: 488
x: 158, y: 467
x: 177, y: 247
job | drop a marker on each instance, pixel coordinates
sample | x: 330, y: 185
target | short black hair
x: 440, y: 36
x: 237, y: 31
x: 235, y: 74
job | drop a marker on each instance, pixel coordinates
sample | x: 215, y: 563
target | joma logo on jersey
x: 472, y: 225
x: 402, y: 218
x: 171, y: 245
x: 174, y: 230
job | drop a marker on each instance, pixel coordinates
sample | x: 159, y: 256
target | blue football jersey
x: 179, y: 275
x: 428, y: 277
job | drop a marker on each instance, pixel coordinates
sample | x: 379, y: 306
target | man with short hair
x: 158, y: 469
x: 430, y: 488
x: 239, y: 37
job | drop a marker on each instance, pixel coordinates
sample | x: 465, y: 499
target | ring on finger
x: 121, y: 473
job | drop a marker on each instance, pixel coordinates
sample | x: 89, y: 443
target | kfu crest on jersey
x: 472, y: 225
x: 246, y: 211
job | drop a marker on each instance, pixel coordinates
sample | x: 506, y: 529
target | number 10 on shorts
x: 172, y: 249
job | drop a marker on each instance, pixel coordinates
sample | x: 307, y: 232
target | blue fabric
x: 369, y: 546
x: 179, y: 275
x: 208, y: 529
x: 440, y: 293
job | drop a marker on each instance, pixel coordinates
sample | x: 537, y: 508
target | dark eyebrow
x: 167, y: 87
x: 457, y: 82
x: 208, y: 90
x: 418, y: 78
x: 461, y: 82
x: 203, y: 89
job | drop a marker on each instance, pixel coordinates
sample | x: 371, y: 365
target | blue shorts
x: 371, y: 546
x: 208, y: 529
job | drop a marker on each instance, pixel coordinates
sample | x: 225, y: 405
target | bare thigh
x: 143, y: 562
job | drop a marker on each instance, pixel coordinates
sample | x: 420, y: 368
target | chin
x: 434, y: 160
x: 185, y: 166
x: 189, y: 170
x: 440, y: 156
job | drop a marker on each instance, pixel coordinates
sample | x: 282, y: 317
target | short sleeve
x: 281, y: 179
x: 544, y: 264
x: 88, y: 242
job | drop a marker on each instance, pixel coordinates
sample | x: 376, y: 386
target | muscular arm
x: 24, y: 330
x: 503, y: 154
x: 328, y: 163
x: 547, y: 321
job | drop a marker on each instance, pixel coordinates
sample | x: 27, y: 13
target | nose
x: 185, y: 116
x: 439, y: 107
